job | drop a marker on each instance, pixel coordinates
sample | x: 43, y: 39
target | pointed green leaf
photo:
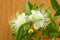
x: 30, y: 5
x: 53, y: 24
x: 55, y: 4
x: 40, y: 7
x: 52, y: 32
x: 27, y: 8
x: 48, y: 8
x: 57, y: 13
x: 34, y: 6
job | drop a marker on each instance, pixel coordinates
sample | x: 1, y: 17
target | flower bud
x: 30, y: 31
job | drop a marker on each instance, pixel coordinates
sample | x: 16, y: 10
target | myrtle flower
x: 40, y: 17
x: 18, y: 21
x: 35, y: 16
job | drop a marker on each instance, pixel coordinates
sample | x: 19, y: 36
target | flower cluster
x: 39, y: 19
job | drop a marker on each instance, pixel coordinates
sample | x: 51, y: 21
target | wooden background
x: 9, y: 8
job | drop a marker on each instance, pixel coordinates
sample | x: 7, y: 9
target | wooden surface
x: 9, y: 8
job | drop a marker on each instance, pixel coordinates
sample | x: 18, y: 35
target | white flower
x: 18, y: 21
x: 21, y: 19
x: 41, y: 18
x: 38, y: 25
x: 36, y: 15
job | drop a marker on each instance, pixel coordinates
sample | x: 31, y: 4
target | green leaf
x: 57, y: 12
x: 34, y: 6
x: 51, y: 31
x: 40, y: 7
x: 53, y: 24
x: 21, y: 32
x: 48, y: 8
x: 45, y: 31
x: 54, y: 38
x: 51, y: 28
x: 30, y: 5
x: 55, y: 4
x: 28, y: 12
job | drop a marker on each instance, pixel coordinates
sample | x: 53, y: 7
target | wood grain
x: 9, y: 8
